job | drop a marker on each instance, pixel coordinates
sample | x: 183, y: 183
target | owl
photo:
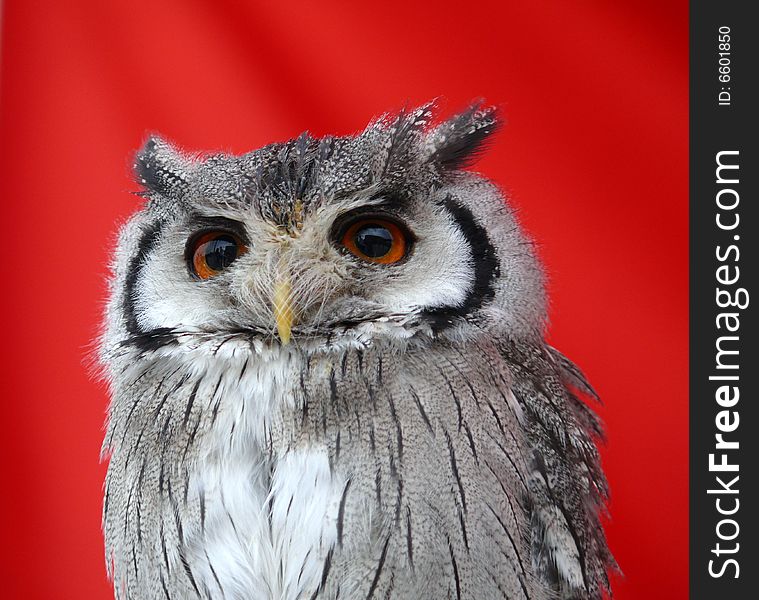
x: 329, y: 380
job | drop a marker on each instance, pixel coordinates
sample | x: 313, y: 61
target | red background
x: 594, y: 155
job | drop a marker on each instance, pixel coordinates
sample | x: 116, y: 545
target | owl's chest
x: 271, y: 506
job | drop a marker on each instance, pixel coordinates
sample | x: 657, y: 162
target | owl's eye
x: 212, y: 252
x: 376, y: 240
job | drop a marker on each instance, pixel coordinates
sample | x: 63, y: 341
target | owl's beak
x: 284, y: 315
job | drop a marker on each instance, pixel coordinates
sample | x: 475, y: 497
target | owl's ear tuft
x: 458, y: 142
x: 161, y: 168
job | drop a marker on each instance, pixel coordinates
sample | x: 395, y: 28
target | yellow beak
x: 284, y: 315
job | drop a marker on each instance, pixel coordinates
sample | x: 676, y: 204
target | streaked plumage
x: 416, y: 438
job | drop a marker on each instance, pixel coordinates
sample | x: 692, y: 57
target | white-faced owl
x: 329, y: 380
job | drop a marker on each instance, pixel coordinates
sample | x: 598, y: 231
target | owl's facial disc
x: 356, y: 271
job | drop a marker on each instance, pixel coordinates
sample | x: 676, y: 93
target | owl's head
x: 326, y: 242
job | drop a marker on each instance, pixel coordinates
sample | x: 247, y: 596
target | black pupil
x: 374, y: 241
x: 220, y: 252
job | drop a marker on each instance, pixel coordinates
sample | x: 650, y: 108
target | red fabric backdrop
x: 594, y: 155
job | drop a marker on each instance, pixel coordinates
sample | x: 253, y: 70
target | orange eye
x: 213, y: 252
x: 376, y: 240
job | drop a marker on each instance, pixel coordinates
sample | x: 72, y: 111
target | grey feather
x: 417, y: 438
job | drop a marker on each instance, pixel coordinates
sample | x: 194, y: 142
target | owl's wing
x: 567, y: 487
